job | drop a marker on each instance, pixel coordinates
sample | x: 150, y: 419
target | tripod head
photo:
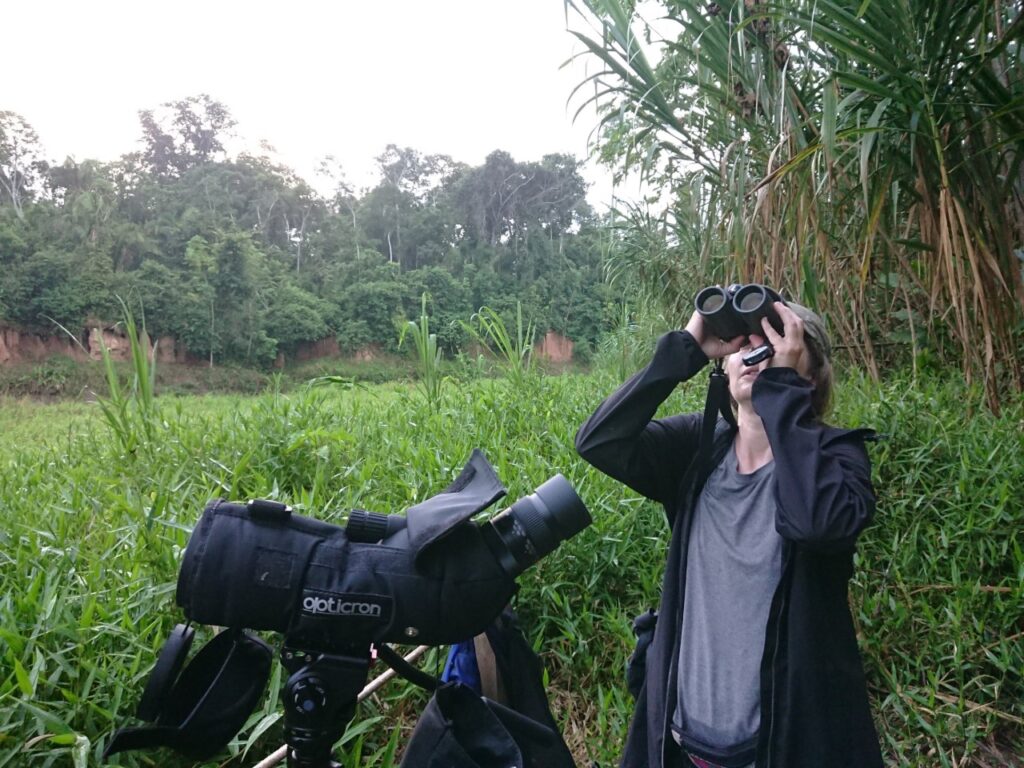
x: 319, y: 701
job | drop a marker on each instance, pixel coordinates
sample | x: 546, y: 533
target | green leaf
x: 866, y: 144
x: 23, y: 680
x: 259, y: 730
x: 828, y: 119
x: 50, y: 721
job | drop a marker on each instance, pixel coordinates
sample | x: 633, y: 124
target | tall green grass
x: 95, y: 522
x: 513, y: 350
x: 426, y: 353
x: 939, y: 590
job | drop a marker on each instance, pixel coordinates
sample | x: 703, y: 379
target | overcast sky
x: 341, y: 77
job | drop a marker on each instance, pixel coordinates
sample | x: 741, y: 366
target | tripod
x: 319, y: 700
x: 321, y: 694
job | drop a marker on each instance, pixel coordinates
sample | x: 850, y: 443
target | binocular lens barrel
x: 750, y: 298
x: 711, y: 300
x: 753, y: 302
x: 716, y: 306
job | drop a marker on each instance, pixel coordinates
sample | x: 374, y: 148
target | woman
x: 754, y: 659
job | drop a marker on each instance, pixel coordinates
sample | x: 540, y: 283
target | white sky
x: 457, y: 77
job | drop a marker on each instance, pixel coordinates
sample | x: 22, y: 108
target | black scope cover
x: 245, y: 570
x: 304, y: 578
x: 432, y: 577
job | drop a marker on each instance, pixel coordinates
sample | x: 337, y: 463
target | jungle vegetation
x: 240, y: 259
x: 863, y: 156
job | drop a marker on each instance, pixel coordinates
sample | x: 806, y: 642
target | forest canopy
x: 240, y: 259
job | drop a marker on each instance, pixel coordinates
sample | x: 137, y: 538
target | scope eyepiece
x: 371, y: 527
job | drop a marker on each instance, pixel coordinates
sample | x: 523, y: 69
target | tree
x: 183, y: 134
x: 368, y: 294
x: 449, y: 300
x: 343, y: 195
x: 411, y: 183
x: 486, y: 197
x: 199, y: 257
x: 287, y: 210
x: 239, y: 257
x: 64, y: 286
x: 514, y: 204
x: 21, y: 160
x: 295, y: 316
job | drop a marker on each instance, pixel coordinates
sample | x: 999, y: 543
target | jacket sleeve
x: 822, y: 474
x: 623, y: 441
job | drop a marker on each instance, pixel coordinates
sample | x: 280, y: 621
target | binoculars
x: 737, y: 311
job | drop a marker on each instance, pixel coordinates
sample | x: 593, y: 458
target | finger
x: 731, y: 347
x: 786, y: 315
x: 770, y: 333
x: 696, y: 327
x: 792, y: 325
x: 717, y: 348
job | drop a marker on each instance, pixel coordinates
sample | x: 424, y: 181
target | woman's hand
x: 790, y: 348
x: 711, y: 345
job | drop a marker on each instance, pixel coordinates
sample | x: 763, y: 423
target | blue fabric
x: 461, y: 666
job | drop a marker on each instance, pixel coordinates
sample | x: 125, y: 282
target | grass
x: 27, y: 423
x: 61, y: 378
x: 427, y: 355
x: 94, y: 523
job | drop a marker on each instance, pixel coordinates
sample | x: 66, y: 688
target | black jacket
x: 814, y: 706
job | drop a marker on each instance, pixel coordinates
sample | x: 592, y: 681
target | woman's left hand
x: 790, y: 348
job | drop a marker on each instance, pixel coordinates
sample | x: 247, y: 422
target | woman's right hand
x: 711, y: 345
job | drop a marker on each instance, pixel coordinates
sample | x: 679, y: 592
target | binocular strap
x: 717, y: 403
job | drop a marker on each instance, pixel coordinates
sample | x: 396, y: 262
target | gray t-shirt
x: 733, y: 567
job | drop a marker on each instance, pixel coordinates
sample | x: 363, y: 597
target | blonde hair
x: 821, y: 377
